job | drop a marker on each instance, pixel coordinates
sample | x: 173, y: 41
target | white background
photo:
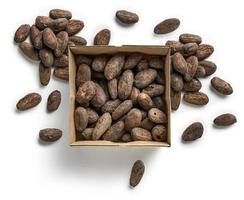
x: 210, y: 168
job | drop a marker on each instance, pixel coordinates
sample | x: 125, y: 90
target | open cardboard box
x: 127, y: 49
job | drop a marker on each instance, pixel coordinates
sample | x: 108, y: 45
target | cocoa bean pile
x: 120, y: 98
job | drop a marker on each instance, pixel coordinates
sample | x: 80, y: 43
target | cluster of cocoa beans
x: 120, y: 98
x: 50, y: 37
x: 188, y: 65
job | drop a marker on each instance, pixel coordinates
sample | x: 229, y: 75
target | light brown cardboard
x: 95, y: 50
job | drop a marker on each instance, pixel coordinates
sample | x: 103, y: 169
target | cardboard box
x: 96, y: 50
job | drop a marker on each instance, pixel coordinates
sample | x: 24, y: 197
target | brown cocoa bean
x: 179, y: 63
x: 167, y: 26
x: 46, y: 57
x: 145, y: 78
x: 190, y: 38
x: 132, y: 60
x: 174, y: 46
x: 226, y: 119
x: 86, y: 92
x: 28, y: 101
x: 134, y: 94
x: 43, y: 22
x: 62, y: 73
x: 99, y: 98
x: 34, y: 31
x: 113, y: 88
x: 87, y: 133
x: 54, y: 100
x: 58, y: 25
x: 137, y: 173
x: 22, y: 33
x: 159, y: 133
x: 44, y: 74
x: 50, y: 134
x: 154, y: 90
x: 99, y: 63
x: 209, y: 67
x: 102, y: 37
x: 92, y: 115
x: 140, y: 134
x: 59, y: 13
x: 110, y: 106
x: 145, y: 101
x: 156, y: 62
x: 83, y: 74
x: 38, y: 41
x: 176, y: 82
x: 29, y: 51
x: 61, y: 61
x: 193, y: 86
x: 74, y: 26
x: 102, y: 125
x: 192, y: 64
x: 189, y: 49
x: 62, y: 43
x: 81, y: 119
x: 125, y: 84
x: 200, y: 73
x: 127, y: 17
x: 115, y: 132
x: 175, y: 98
x: 196, y: 98
x: 114, y: 66
x: 143, y: 64
x: 221, y: 86
x: 204, y: 51
x: 147, y: 124
x: 133, y: 119
x: 49, y: 38
x: 78, y: 40
x: 193, y: 132
x: 157, y: 116
x: 122, y: 109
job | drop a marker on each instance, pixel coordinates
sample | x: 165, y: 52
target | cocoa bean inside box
x: 76, y: 138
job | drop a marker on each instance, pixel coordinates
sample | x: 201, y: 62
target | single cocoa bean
x: 115, y: 132
x: 226, y: 119
x: 86, y: 92
x: 54, y: 100
x: 221, y: 86
x: 44, y: 74
x: 133, y: 60
x: 62, y: 73
x: 49, y: 38
x: 102, y: 37
x: 28, y: 101
x: 102, y: 125
x: 157, y: 116
x: 204, y: 51
x: 193, y: 132
x: 122, y: 109
x: 140, y: 134
x: 74, y: 26
x: 196, y: 98
x: 127, y: 17
x: 190, y: 38
x: 50, y: 134
x: 125, y: 84
x: 22, y: 33
x: 59, y: 13
x: 133, y: 119
x: 81, y: 119
x: 145, y: 78
x: 113, y: 88
x: 145, y: 101
x: 114, y: 66
x: 159, y: 133
x: 137, y: 173
x: 83, y: 74
x: 167, y: 26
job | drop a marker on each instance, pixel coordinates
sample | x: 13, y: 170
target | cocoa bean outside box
x: 111, y: 50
